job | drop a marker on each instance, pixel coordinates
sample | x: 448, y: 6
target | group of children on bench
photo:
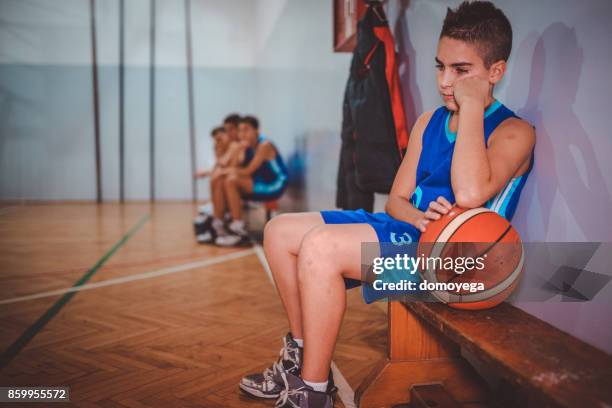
x: 247, y: 167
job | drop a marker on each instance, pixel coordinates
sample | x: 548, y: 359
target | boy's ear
x: 497, y: 71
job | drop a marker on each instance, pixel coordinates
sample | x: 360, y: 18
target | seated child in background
x: 233, y: 149
x: 262, y: 176
x: 221, y: 144
x: 203, y: 222
x: 228, y: 149
x: 229, y: 152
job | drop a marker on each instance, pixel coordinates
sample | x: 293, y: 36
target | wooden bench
x: 529, y: 362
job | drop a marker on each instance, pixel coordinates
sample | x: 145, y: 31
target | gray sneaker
x: 299, y: 395
x: 269, y: 384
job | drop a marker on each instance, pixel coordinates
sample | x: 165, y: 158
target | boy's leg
x: 217, y: 193
x: 283, y: 236
x: 327, y: 254
x: 234, y: 185
x: 282, y: 239
x: 236, y: 158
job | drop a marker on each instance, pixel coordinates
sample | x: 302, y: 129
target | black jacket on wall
x: 374, y: 134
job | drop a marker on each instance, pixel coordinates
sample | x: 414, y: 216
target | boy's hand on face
x: 471, y: 89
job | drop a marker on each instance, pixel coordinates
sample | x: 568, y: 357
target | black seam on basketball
x: 488, y: 248
x: 497, y: 241
x: 451, y: 236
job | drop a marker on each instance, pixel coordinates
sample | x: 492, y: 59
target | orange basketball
x: 479, y: 234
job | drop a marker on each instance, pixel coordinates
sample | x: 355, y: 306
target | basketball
x: 478, y: 234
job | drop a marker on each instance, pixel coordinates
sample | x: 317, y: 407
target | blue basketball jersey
x: 433, y: 177
x: 271, y: 172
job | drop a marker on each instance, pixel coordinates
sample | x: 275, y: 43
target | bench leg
x: 417, y: 355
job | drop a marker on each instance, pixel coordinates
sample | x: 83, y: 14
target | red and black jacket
x: 374, y: 132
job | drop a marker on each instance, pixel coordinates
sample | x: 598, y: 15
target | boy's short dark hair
x: 250, y: 120
x: 232, y: 118
x: 217, y: 130
x: 482, y: 24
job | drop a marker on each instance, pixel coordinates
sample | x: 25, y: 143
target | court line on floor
x: 345, y: 392
x: 264, y: 262
x: 14, y: 349
x: 115, y: 266
x: 134, y: 277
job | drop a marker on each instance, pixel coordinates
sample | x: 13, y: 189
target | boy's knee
x: 215, y: 177
x: 277, y: 227
x: 317, y: 244
x: 231, y: 181
x: 216, y: 180
x: 315, y: 258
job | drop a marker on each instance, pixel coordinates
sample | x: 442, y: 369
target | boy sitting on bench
x: 472, y: 151
x: 228, y: 153
x: 262, y: 176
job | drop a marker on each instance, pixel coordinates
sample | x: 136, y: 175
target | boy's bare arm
x: 478, y: 171
x: 224, y: 158
x: 232, y: 156
x: 398, y: 204
x: 204, y: 173
x: 265, y: 151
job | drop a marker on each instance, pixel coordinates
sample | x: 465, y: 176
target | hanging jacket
x: 374, y: 132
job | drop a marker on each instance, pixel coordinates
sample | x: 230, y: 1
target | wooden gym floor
x: 161, y: 321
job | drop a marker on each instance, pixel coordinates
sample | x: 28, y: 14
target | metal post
x: 152, y: 102
x: 192, y: 141
x: 121, y: 101
x: 96, y: 99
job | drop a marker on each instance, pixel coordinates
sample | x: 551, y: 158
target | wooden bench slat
x: 418, y: 354
x: 554, y: 367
